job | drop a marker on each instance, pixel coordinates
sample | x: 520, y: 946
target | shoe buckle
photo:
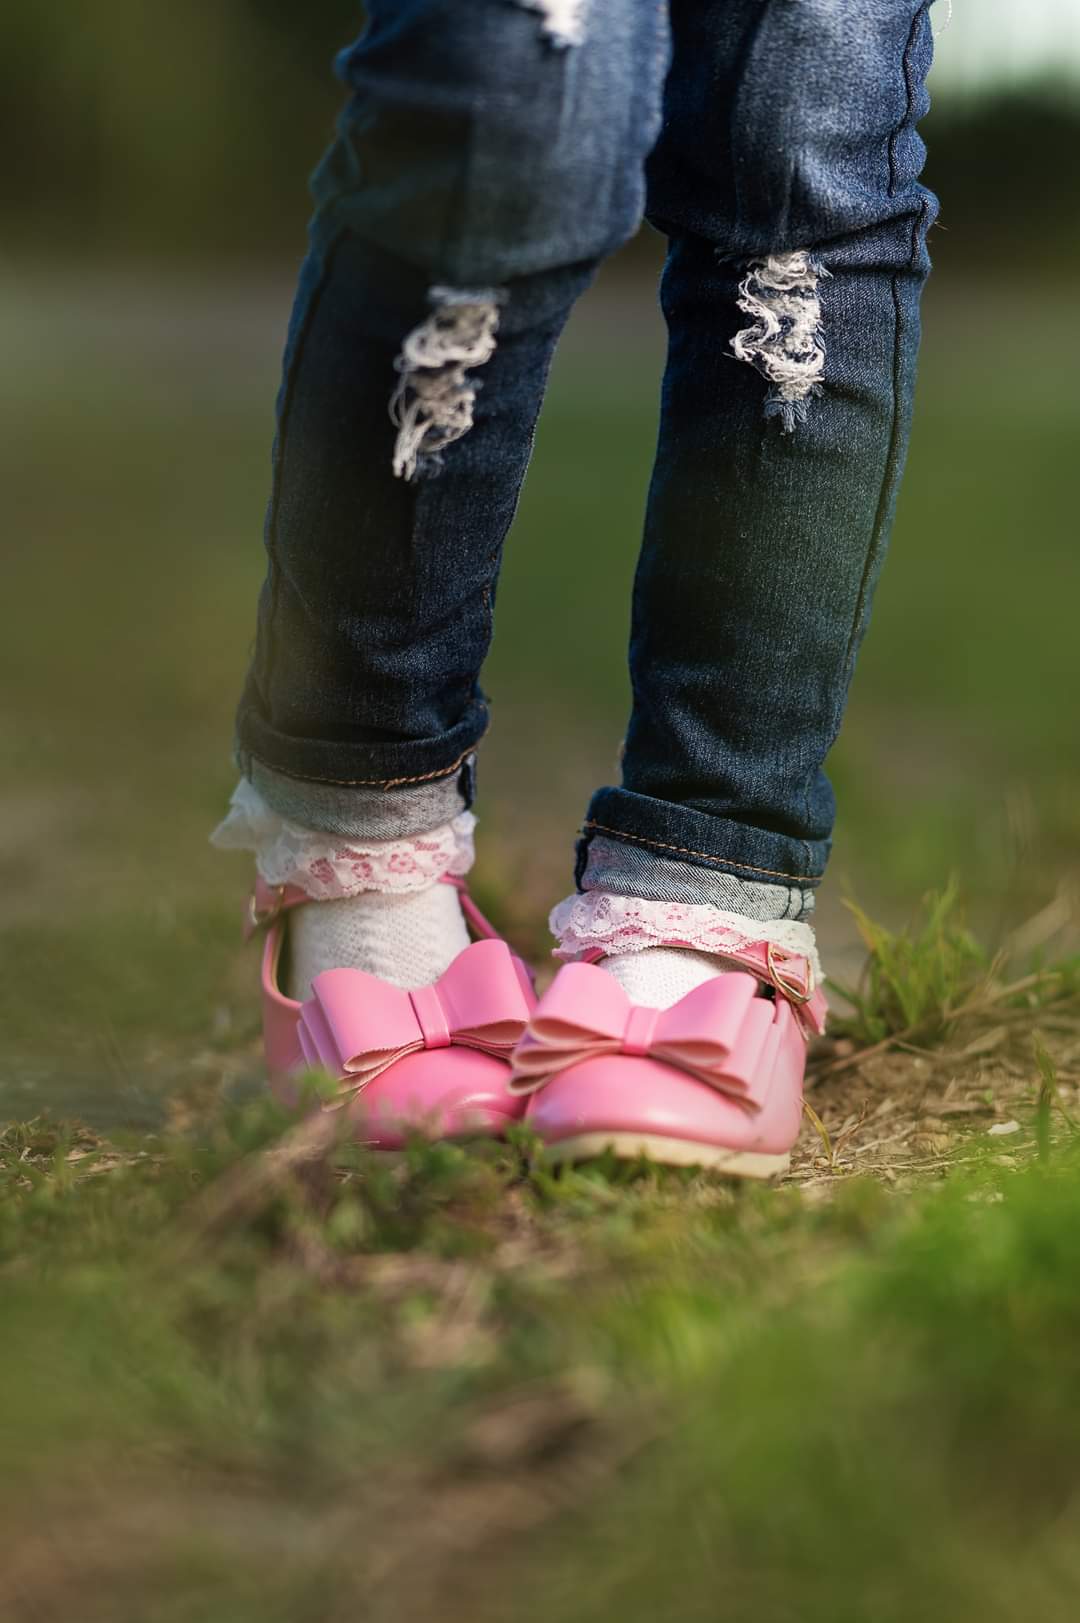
x: 775, y: 958
x: 260, y: 918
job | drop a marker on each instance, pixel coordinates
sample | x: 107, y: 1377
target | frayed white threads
x: 434, y: 401
x: 780, y: 295
x: 563, y: 20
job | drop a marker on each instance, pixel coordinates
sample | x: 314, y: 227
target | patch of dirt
x: 911, y: 1113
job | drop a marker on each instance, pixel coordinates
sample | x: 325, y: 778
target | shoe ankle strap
x: 267, y: 903
x: 790, y: 974
x: 482, y: 926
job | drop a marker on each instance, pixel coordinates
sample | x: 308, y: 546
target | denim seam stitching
x: 282, y: 442
x: 707, y: 856
x: 495, y: 561
x: 894, y: 430
x: 365, y: 783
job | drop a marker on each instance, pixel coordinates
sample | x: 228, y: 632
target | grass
x: 913, y: 979
x: 919, y: 982
x: 374, y: 1390
x: 249, y: 1371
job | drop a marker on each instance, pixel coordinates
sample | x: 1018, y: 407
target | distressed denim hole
x: 784, y: 343
x: 435, y: 398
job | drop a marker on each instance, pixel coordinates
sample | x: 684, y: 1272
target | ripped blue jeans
x: 492, y: 152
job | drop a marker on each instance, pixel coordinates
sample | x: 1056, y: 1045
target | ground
x: 246, y: 1374
x: 238, y: 1380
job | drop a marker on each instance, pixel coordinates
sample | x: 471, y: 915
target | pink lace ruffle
x: 598, y: 919
x: 329, y: 867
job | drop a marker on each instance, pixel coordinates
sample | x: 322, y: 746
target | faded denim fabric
x: 480, y: 156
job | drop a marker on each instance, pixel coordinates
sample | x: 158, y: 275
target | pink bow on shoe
x: 356, y: 1026
x: 720, y: 1033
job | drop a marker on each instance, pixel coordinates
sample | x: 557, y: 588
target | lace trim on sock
x: 618, y: 924
x: 330, y: 866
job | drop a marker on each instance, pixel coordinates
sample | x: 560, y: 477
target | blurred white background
x: 1006, y: 42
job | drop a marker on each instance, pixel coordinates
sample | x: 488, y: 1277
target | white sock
x: 408, y: 938
x: 660, y: 976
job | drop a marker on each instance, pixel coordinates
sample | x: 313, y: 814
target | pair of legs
x: 491, y: 155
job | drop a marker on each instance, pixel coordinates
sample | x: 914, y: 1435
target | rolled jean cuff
x: 343, y: 764
x: 631, y: 870
x: 358, y: 812
x: 636, y: 846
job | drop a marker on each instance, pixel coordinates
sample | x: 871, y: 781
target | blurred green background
x: 152, y: 211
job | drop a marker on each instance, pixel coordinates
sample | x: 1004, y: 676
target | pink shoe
x: 435, y: 1060
x: 714, y: 1081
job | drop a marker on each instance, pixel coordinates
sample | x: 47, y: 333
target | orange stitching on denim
x: 685, y: 851
x: 367, y: 783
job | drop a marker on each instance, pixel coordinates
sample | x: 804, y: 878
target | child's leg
x: 490, y: 156
x: 787, y: 181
